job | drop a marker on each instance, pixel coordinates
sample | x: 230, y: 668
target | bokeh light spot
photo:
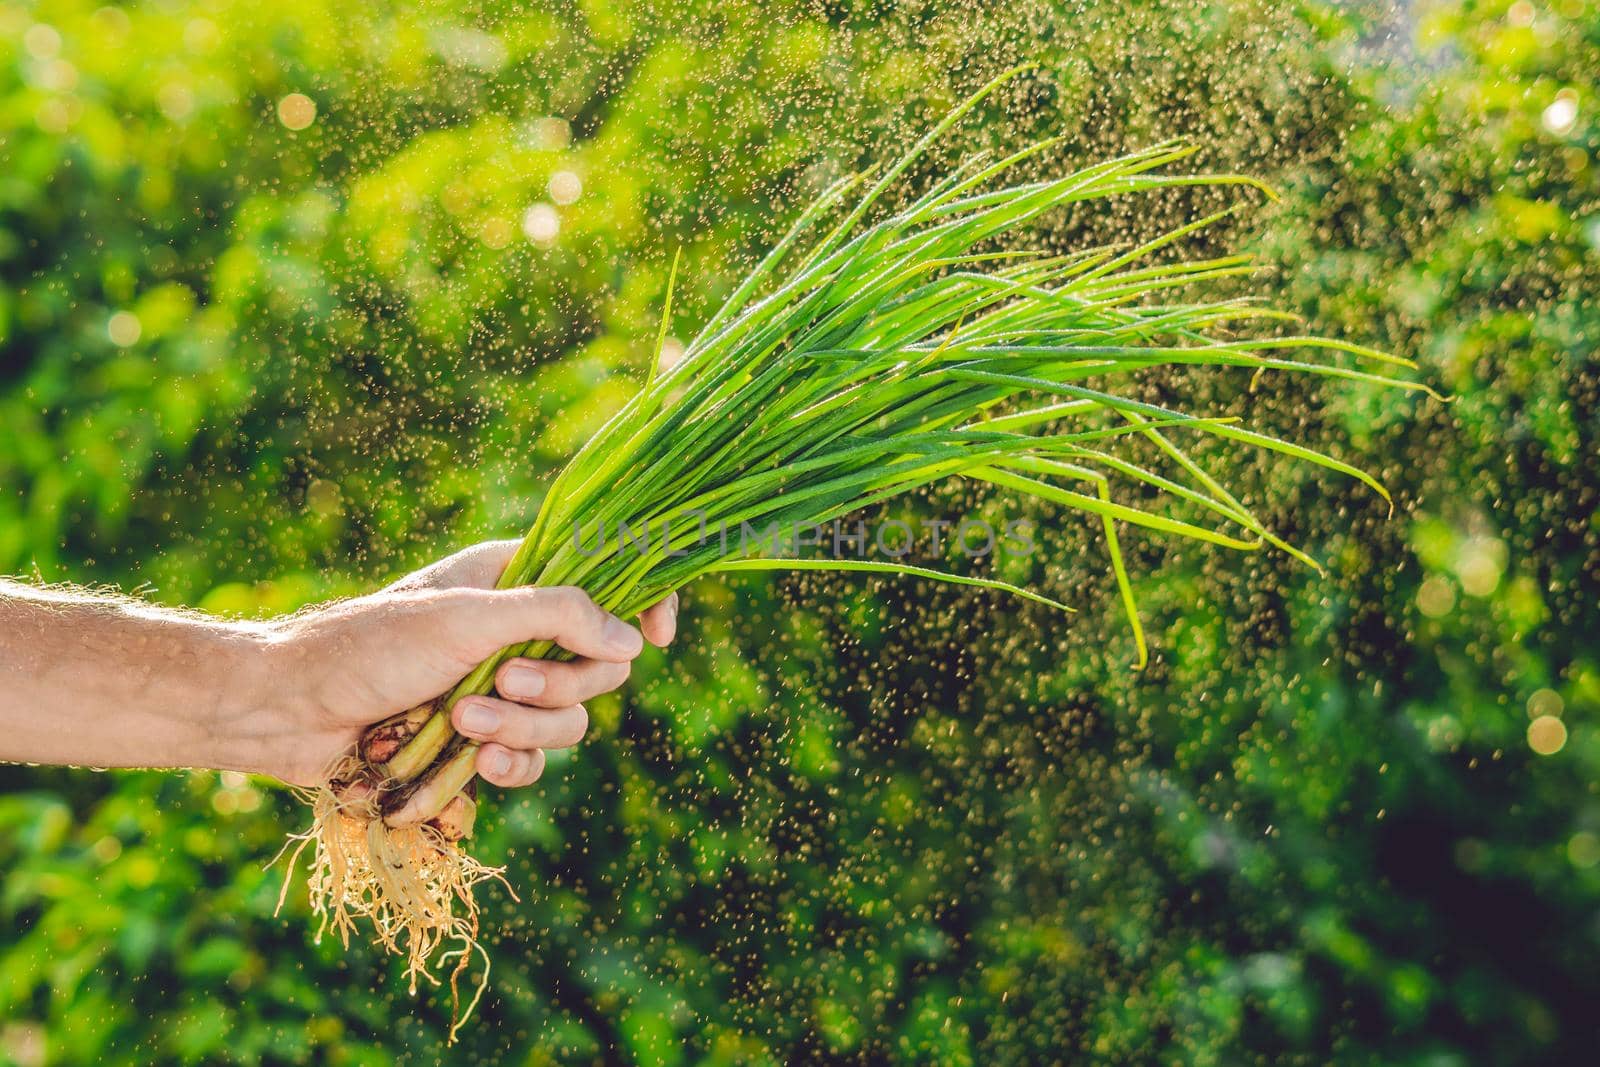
x: 541, y: 224
x: 42, y: 41
x: 1583, y: 849
x: 565, y: 186
x: 175, y: 100
x: 1562, y: 113
x: 53, y: 116
x: 124, y: 329
x: 200, y: 35
x: 297, y: 111
x: 496, y: 232
x: 57, y: 75
x: 107, y: 849
x: 1547, y: 735
x: 549, y: 134
x: 1545, y: 702
x: 671, y: 352
x: 1436, y: 597
x: 1480, y: 564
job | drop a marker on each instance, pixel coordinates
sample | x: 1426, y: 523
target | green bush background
x: 846, y: 821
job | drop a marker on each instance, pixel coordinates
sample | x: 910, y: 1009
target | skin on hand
x: 360, y: 661
x: 102, y: 680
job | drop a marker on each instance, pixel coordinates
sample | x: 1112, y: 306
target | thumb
x: 478, y: 566
x: 480, y: 622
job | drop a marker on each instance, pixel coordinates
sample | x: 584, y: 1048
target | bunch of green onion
x: 868, y: 355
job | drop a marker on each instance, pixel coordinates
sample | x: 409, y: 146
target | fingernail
x: 478, y: 719
x: 524, y: 682
x: 620, y: 635
x: 500, y: 763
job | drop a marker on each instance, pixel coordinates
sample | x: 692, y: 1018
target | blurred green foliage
x: 296, y: 296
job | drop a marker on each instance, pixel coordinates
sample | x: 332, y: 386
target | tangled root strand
x: 414, y: 883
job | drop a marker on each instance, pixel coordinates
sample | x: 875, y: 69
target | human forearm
x: 112, y: 682
x: 108, y: 681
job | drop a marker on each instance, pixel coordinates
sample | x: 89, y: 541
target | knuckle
x: 571, y: 597
x: 584, y: 609
x: 490, y: 557
x: 453, y: 614
x: 569, y: 603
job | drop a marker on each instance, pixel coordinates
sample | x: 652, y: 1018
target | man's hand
x: 107, y: 681
x: 361, y: 661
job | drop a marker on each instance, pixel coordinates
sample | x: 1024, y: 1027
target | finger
x: 546, y: 684
x: 455, y: 822
x: 510, y: 768
x: 429, y: 799
x: 516, y: 727
x: 478, y: 566
x: 660, y: 621
x: 485, y: 621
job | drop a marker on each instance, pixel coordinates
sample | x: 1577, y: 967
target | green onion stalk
x: 870, y: 354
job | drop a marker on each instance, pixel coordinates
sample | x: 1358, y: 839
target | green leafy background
x: 246, y: 366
